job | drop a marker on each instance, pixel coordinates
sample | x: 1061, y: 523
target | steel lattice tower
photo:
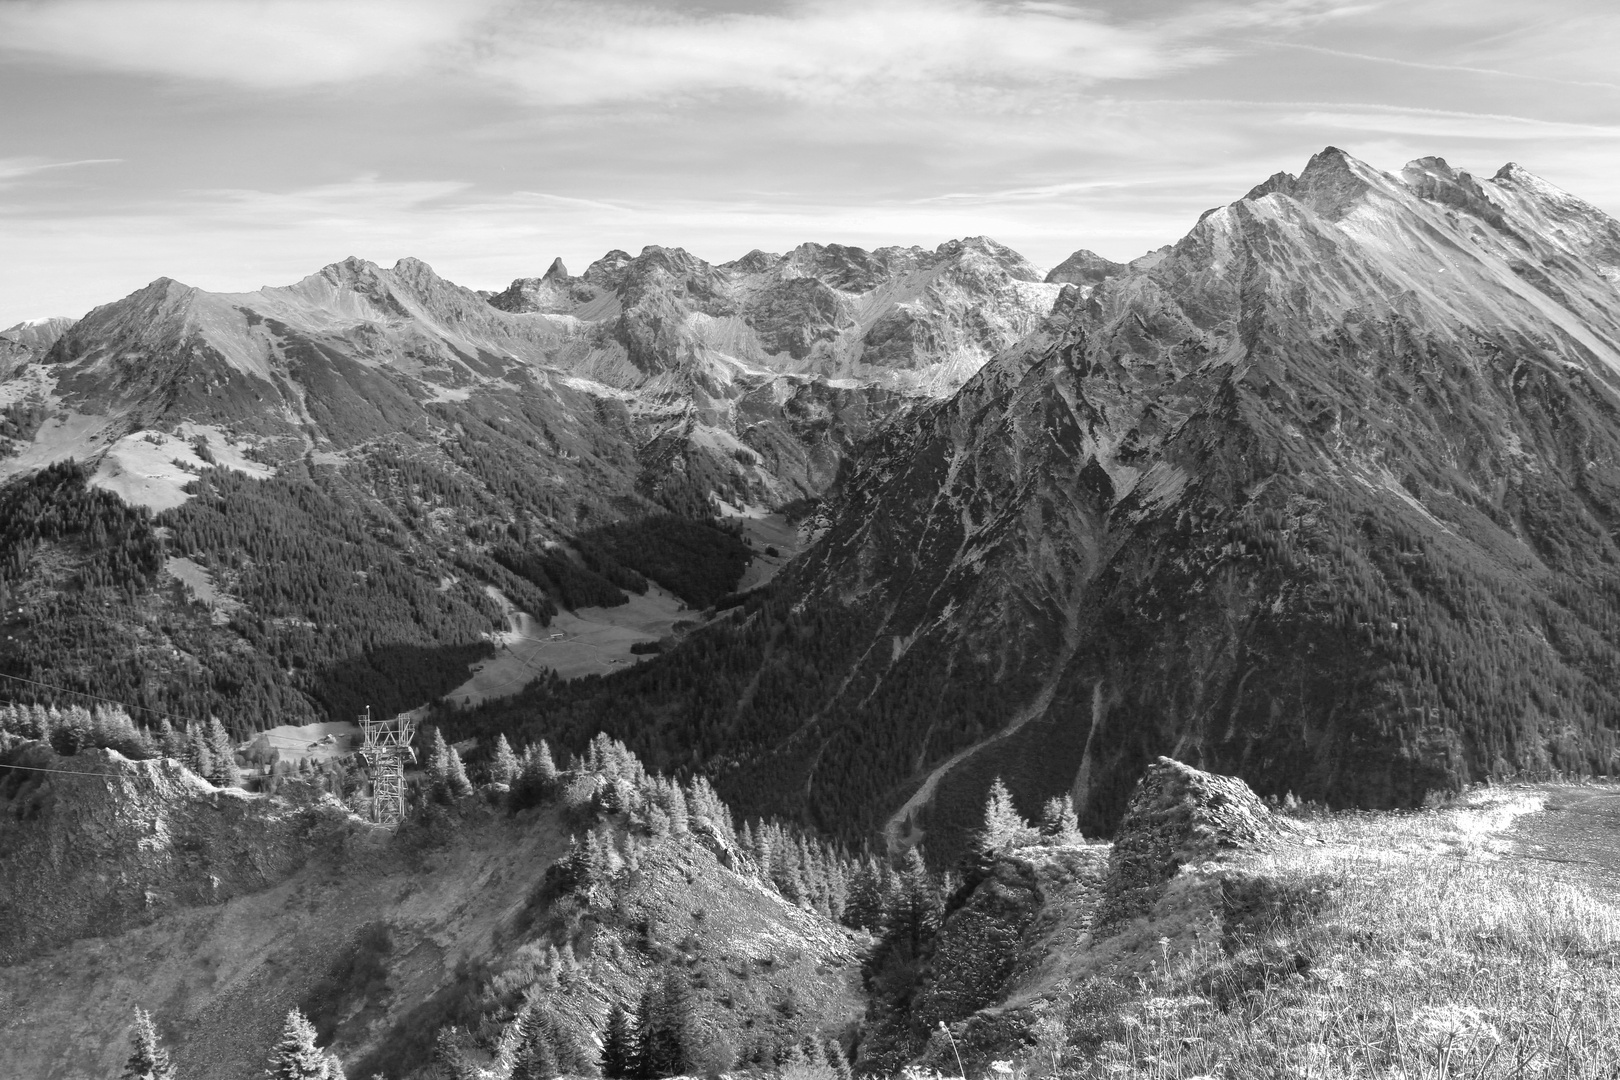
x: 387, y: 744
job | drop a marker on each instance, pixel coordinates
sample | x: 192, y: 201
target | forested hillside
x: 1284, y: 500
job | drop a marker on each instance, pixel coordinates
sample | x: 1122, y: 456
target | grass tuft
x: 1400, y: 946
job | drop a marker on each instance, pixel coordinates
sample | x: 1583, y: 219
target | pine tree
x: 619, y: 1045
x: 915, y: 908
x: 148, y: 1061
x: 456, y: 784
x: 537, y: 780
x: 537, y: 1053
x: 1059, y: 821
x: 223, y: 770
x: 665, y: 1031
x: 170, y: 743
x: 545, y: 767
x: 295, y: 1056
x: 838, y: 1062
x: 865, y: 906
x: 504, y: 769
x: 438, y: 763
x: 194, y: 751
x: 1003, y: 827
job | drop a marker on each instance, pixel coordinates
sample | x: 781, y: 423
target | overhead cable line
x: 62, y: 772
x: 104, y: 700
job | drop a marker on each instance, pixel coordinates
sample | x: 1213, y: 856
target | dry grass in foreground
x: 1402, y: 946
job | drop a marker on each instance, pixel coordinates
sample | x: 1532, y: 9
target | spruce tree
x: 222, y: 768
x: 1059, y: 821
x: 914, y: 913
x: 838, y: 1062
x: 456, y: 784
x: 864, y: 908
x: 537, y: 1051
x: 170, y: 742
x: 666, y: 1029
x: 438, y: 764
x: 1003, y: 827
x: 645, y: 1017
x: 295, y: 1056
x: 619, y: 1045
x: 545, y: 767
x: 504, y: 769
x: 148, y: 1061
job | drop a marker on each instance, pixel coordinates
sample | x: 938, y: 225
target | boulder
x: 1179, y: 816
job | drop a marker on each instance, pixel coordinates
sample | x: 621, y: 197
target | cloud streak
x: 19, y: 167
x: 263, y: 138
x: 263, y: 44
x: 578, y: 52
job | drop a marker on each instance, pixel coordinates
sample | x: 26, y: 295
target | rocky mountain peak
x: 1333, y: 182
x: 34, y: 337
x: 605, y: 272
x: 755, y: 262
x: 1084, y: 268
x: 845, y: 268
x: 1000, y: 255
x: 556, y: 271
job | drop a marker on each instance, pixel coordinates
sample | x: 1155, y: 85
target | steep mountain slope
x: 1322, y: 496
x: 28, y: 341
x: 412, y: 447
x: 1325, y: 498
x: 136, y: 884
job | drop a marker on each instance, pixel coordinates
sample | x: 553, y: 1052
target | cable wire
x: 104, y: 700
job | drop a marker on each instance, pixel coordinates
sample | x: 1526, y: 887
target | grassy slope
x: 383, y: 939
x: 1427, y: 944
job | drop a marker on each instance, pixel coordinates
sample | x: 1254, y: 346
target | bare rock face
x: 1179, y: 816
x: 1084, y: 268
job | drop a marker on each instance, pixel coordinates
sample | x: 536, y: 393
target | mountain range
x: 1324, y: 495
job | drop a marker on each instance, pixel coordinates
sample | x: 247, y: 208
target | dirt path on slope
x: 1576, y: 836
x: 896, y: 835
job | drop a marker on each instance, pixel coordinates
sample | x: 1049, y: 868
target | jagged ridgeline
x: 353, y: 483
x: 1324, y: 495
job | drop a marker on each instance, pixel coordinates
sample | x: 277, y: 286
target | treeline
x: 674, y: 1009
x: 204, y: 748
x: 725, y: 702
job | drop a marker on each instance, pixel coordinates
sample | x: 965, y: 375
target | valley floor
x: 590, y: 641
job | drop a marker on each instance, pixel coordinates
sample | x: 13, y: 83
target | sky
x: 237, y: 143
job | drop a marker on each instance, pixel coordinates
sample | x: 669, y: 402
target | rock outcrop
x: 1179, y: 816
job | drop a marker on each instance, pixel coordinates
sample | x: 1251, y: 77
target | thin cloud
x: 1438, y: 123
x: 897, y: 51
x: 260, y: 44
x: 19, y: 167
x: 574, y: 52
x: 1428, y: 66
